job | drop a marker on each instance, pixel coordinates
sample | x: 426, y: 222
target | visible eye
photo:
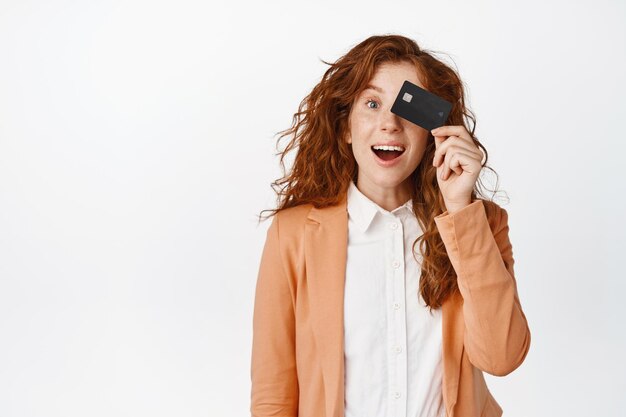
x: 371, y: 101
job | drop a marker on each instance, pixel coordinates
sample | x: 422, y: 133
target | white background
x: 137, y: 146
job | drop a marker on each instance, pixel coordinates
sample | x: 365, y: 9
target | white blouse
x: 392, y: 352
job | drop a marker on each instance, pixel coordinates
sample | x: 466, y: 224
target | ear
x: 348, y: 138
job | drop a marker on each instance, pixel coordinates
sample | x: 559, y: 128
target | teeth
x: 388, y: 148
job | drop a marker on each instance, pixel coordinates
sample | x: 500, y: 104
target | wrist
x: 454, y: 207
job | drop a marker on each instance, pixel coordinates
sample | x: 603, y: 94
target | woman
x: 349, y: 318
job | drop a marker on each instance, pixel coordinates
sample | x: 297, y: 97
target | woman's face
x: 372, y: 123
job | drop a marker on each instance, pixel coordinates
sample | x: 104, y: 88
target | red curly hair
x: 324, y: 163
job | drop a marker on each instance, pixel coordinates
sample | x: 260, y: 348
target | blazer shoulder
x: 291, y: 220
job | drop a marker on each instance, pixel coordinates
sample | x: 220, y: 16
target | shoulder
x: 290, y: 221
x: 287, y: 232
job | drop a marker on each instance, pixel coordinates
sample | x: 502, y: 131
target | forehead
x: 391, y: 76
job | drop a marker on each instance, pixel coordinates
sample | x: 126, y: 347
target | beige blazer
x: 297, y: 366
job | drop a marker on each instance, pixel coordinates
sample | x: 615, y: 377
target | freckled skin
x: 372, y: 122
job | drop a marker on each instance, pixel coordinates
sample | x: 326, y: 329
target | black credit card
x: 421, y: 107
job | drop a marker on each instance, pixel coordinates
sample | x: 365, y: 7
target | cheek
x: 361, y: 121
x: 363, y: 151
x: 419, y: 153
x: 421, y: 143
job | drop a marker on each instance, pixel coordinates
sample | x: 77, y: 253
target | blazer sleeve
x: 274, y: 390
x: 497, y: 337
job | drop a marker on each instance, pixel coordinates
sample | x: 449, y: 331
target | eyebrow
x: 373, y: 87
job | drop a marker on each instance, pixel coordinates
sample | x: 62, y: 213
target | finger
x: 439, y: 148
x: 459, y: 162
x: 451, y: 130
x: 459, y: 144
x: 439, y: 140
x: 444, y: 171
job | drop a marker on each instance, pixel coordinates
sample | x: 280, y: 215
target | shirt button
x: 393, y: 226
x: 396, y: 306
x: 398, y: 349
x: 396, y: 395
x: 396, y: 264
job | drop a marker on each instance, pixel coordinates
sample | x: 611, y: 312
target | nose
x: 390, y: 121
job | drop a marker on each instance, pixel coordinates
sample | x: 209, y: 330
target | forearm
x: 497, y: 337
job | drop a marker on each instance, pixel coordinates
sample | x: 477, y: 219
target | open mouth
x: 387, y: 154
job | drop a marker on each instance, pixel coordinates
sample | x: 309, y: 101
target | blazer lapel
x: 325, y: 248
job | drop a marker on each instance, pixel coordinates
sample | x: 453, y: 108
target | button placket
x: 397, y: 356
